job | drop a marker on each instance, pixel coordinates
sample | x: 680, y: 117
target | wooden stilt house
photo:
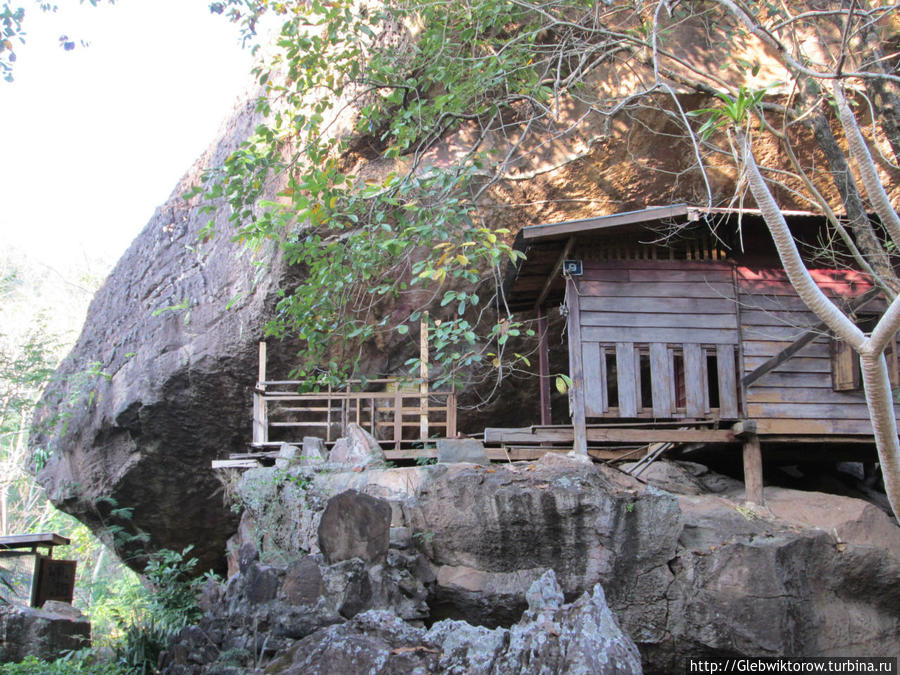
x: 682, y: 328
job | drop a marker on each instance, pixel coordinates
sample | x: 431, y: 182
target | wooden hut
x: 682, y: 328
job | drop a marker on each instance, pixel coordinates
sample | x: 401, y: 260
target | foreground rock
x: 579, y: 639
x: 46, y: 634
x: 690, y: 574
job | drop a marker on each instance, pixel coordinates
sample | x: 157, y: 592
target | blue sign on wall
x: 572, y: 268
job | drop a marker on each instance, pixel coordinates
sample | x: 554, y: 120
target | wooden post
x: 398, y: 417
x: 260, y: 405
x: 753, y: 467
x: 753, y: 471
x: 544, y: 367
x: 576, y: 369
x: 262, y: 364
x: 451, y: 414
x: 423, y: 373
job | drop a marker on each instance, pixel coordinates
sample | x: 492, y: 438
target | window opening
x: 712, y: 377
x: 646, y: 401
x: 612, y: 378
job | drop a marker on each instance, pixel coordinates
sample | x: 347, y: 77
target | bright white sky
x: 92, y: 140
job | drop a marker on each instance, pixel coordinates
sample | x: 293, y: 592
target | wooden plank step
x: 235, y: 464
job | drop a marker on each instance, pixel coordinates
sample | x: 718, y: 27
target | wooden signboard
x: 55, y: 581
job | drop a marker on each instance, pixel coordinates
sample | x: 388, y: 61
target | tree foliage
x: 13, y: 33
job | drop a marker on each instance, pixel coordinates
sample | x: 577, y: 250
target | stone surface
x: 287, y: 454
x: 685, y: 575
x: 357, y: 449
x: 355, y: 525
x: 581, y: 638
x: 313, y: 451
x: 159, y: 382
x: 668, y: 476
x: 45, y: 633
x: 262, y: 610
x: 451, y: 450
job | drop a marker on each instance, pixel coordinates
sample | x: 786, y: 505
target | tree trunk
x: 879, y: 397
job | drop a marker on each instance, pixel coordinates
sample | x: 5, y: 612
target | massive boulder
x: 688, y: 572
x: 45, y: 634
x: 160, y: 380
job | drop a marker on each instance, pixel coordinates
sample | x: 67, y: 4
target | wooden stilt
x: 753, y: 470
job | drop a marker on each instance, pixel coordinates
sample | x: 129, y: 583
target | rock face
x: 44, y: 633
x: 581, y: 639
x: 688, y: 574
x: 159, y: 382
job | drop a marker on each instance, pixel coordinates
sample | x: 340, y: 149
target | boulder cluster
x: 548, y: 566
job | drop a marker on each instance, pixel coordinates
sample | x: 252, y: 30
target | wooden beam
x: 610, y: 435
x: 544, y: 366
x: 235, y: 463
x: 576, y: 368
x: 48, y: 539
x: 804, y: 340
x: 744, y: 429
x: 557, y: 266
x: 423, y: 375
x: 753, y: 471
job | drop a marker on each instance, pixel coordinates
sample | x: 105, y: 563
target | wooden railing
x: 395, y: 411
x: 383, y: 407
x: 660, y: 380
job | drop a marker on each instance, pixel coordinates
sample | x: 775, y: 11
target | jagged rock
x: 44, y: 633
x: 357, y: 449
x: 286, y: 455
x: 686, y: 575
x: 263, y: 609
x: 493, y: 533
x: 581, y: 638
x: 314, y: 451
x: 355, y: 525
x: 669, y: 476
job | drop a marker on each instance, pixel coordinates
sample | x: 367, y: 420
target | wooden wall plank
x: 594, y: 384
x: 798, y: 394
x: 821, y: 411
x: 640, y: 318
x: 661, y: 380
x: 665, y: 305
x: 677, y: 276
x: 804, y: 380
x: 693, y: 289
x: 628, y: 403
x: 681, y: 265
x: 802, y: 320
x: 815, y: 349
x: 775, y: 333
x: 727, y: 379
x: 796, y: 364
x: 672, y: 335
x: 695, y: 383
